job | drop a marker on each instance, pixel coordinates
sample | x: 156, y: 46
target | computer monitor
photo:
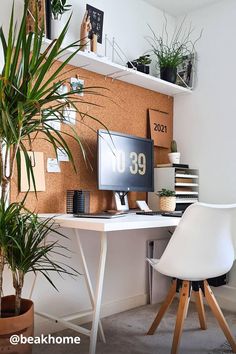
x: 125, y: 163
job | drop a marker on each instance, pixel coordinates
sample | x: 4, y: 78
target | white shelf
x: 186, y: 201
x: 106, y: 67
x: 181, y: 184
x: 183, y: 175
x: 185, y: 193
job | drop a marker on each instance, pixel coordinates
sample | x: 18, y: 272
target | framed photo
x: 185, y: 71
x: 96, y: 20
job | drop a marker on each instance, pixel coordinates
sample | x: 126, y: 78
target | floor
x: 125, y: 334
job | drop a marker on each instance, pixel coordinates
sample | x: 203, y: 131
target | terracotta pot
x: 22, y: 324
x: 167, y: 203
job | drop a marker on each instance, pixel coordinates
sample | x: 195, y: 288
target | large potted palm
x: 29, y: 101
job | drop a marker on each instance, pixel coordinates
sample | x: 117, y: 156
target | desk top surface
x: 127, y: 222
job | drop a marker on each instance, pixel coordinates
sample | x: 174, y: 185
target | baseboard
x: 44, y: 326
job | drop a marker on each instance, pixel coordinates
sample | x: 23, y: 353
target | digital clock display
x: 125, y: 162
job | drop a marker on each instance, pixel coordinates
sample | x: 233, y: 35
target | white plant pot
x: 56, y: 28
x: 174, y: 157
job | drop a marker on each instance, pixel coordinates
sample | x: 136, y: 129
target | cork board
x: 124, y: 109
x: 31, y: 14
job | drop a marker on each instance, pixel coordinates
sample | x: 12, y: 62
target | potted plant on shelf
x: 30, y: 101
x: 58, y: 8
x: 172, y: 51
x: 167, y: 200
x: 174, y: 155
x: 141, y: 64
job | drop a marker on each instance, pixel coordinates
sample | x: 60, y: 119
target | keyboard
x: 141, y: 212
x: 177, y: 213
x: 101, y: 215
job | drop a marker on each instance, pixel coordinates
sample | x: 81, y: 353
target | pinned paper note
x: 55, y: 124
x: 52, y: 120
x: 37, y: 163
x: 62, y: 155
x: 77, y: 84
x: 53, y: 166
x: 69, y: 114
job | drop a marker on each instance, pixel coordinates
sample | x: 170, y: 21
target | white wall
x: 205, y: 121
x: 127, y: 21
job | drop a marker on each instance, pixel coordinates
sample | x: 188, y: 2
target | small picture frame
x: 185, y: 71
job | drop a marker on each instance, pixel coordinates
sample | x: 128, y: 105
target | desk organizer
x: 77, y: 201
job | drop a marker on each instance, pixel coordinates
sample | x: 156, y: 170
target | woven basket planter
x: 167, y: 203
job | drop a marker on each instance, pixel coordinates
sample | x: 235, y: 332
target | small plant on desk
x: 167, y: 200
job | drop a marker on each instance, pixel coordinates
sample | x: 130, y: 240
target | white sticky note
x: 52, y: 121
x: 53, y: 165
x: 62, y: 155
x: 55, y: 124
x: 69, y: 114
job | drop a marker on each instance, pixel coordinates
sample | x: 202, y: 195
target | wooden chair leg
x: 183, y: 303
x: 211, y: 300
x: 164, y: 307
x: 200, y: 308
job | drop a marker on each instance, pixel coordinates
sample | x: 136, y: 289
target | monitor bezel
x: 130, y: 188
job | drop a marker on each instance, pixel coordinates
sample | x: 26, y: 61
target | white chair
x: 201, y: 247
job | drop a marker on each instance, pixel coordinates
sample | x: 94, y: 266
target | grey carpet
x: 125, y: 334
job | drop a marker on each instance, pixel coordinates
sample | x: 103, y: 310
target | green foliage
x: 27, y: 247
x: 29, y: 101
x: 144, y: 60
x: 166, y: 193
x: 29, y: 98
x: 173, y: 146
x: 170, y: 52
x: 59, y: 7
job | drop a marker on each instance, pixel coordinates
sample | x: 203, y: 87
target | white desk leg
x: 88, y: 281
x: 98, y: 296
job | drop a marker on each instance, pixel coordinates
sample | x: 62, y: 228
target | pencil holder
x: 77, y: 201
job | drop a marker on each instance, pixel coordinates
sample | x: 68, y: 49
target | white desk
x: 103, y: 227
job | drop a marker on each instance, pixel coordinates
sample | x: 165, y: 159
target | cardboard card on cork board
x: 160, y: 124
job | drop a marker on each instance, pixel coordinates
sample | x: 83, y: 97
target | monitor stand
x: 121, y: 201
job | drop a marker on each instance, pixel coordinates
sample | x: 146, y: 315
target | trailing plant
x: 173, y: 146
x: 166, y: 193
x: 30, y: 100
x: 171, y: 51
x: 59, y: 7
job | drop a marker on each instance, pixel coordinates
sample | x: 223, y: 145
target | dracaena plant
x: 28, y: 247
x: 29, y: 101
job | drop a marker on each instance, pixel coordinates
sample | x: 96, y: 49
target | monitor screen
x: 125, y: 162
